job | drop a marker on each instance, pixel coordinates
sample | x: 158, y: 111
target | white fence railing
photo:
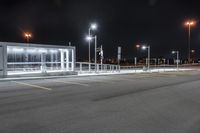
x: 156, y: 68
x: 85, y: 67
x: 37, y: 67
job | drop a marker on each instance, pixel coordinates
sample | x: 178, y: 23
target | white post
x: 89, y: 48
x: 149, y: 58
x: 80, y: 67
x: 177, y: 62
x: 95, y: 53
x: 62, y: 59
x: 52, y: 64
x: 135, y: 61
x: 146, y: 61
x: 67, y: 60
x: 56, y: 56
x: 89, y: 53
x: 101, y: 53
x: 3, y: 60
x: 73, y: 59
x: 164, y: 64
x: 43, y: 62
x: 97, y: 67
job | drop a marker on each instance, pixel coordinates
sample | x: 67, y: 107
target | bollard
x: 80, y: 67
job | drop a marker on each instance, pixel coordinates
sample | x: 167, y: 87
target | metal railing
x: 85, y: 67
x: 154, y: 68
x: 37, y: 67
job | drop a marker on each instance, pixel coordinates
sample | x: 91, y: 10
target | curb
x: 76, y: 76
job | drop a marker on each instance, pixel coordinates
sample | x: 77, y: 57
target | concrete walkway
x: 94, y: 74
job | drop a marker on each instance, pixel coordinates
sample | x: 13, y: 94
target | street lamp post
x: 148, y: 60
x: 89, y: 38
x: 27, y: 36
x: 89, y: 47
x: 144, y: 47
x: 95, y: 52
x: 177, y: 59
x: 189, y: 24
x: 148, y: 47
x: 92, y: 27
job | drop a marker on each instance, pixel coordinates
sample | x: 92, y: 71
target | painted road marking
x: 31, y: 85
x: 99, y: 80
x: 74, y: 83
x: 94, y: 80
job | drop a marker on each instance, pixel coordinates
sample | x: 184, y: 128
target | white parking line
x: 75, y: 83
x: 97, y: 80
x: 36, y: 86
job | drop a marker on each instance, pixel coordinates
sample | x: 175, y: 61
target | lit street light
x: 192, y: 51
x: 144, y: 47
x: 93, y: 26
x: 189, y: 24
x: 177, y: 56
x: 89, y: 38
x: 27, y: 36
x: 138, y: 46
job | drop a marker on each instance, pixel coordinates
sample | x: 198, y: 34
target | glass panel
x: 70, y: 55
x: 22, y: 60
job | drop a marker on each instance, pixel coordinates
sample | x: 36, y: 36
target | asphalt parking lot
x: 133, y: 103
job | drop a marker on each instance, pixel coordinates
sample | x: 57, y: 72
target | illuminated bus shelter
x: 33, y: 59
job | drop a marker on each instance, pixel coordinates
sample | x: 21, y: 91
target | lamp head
x: 93, y: 26
x: 88, y: 38
x: 138, y: 46
x: 144, y: 47
x: 173, y: 52
x: 190, y: 23
x: 27, y: 35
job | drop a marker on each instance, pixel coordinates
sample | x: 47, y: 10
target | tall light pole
x: 89, y: 38
x: 177, y: 58
x: 148, y: 48
x: 95, y: 52
x: 189, y: 24
x: 27, y: 36
x: 144, y: 47
x: 92, y: 27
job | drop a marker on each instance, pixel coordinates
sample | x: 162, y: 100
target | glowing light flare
x: 193, y: 51
x: 88, y: 38
x: 93, y: 26
x: 137, y: 46
x: 174, y: 52
x: 27, y: 35
x: 190, y: 23
x: 144, y: 47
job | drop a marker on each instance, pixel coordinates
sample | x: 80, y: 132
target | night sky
x: 125, y: 23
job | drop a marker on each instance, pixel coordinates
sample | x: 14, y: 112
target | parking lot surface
x: 129, y: 103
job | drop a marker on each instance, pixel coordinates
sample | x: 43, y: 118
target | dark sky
x: 121, y: 23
